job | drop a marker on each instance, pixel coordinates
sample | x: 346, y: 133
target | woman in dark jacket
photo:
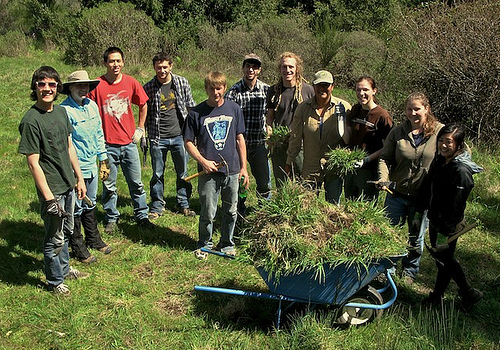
x: 451, y: 182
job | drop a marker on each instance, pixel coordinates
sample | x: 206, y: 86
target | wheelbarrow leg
x: 278, y: 315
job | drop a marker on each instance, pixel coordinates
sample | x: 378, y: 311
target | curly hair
x: 429, y: 126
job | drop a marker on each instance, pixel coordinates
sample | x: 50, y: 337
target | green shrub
x: 361, y: 53
x: 452, y: 53
x: 113, y: 24
x: 14, y: 44
x: 268, y: 38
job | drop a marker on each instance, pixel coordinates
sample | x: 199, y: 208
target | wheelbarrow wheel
x: 355, y: 316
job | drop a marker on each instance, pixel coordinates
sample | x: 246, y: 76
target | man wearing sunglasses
x: 46, y: 141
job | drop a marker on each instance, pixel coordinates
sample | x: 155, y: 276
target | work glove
x: 361, y: 162
x: 54, y: 208
x: 104, y: 169
x: 138, y: 133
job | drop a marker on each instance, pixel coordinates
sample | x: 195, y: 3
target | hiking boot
x: 105, y: 250
x: 470, y: 298
x: 74, y: 274
x: 146, y: 224
x: 154, y: 216
x: 91, y: 259
x: 433, y: 299
x: 59, y: 289
x: 110, y: 227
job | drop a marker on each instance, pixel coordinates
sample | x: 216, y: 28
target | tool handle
x: 194, y: 176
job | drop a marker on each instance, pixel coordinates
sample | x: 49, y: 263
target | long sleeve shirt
x: 87, y: 135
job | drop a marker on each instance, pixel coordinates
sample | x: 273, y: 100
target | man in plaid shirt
x: 169, y: 101
x: 250, y: 93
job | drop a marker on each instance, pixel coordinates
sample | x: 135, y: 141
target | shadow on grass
x: 162, y: 236
x: 238, y: 312
x: 15, y: 261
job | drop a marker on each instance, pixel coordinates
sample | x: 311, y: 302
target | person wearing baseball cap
x: 88, y: 139
x: 250, y: 94
x: 319, y: 125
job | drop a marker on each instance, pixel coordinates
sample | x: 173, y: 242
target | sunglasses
x: 42, y: 84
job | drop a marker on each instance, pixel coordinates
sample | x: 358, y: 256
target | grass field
x: 141, y: 296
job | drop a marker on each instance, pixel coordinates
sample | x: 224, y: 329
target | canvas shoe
x: 61, y: 289
x: 106, y: 249
x: 74, y: 274
x: 91, y: 259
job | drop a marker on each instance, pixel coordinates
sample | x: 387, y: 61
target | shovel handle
x: 203, y: 172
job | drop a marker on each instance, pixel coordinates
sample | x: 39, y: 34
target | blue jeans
x: 209, y: 188
x: 127, y: 157
x: 400, y: 210
x: 55, y: 242
x: 80, y: 206
x: 261, y: 170
x: 278, y: 158
x: 180, y: 158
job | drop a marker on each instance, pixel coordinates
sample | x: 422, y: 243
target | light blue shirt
x: 87, y: 136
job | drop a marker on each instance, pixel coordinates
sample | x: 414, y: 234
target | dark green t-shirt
x: 46, y: 134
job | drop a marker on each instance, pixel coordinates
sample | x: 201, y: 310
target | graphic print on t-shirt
x: 167, y: 98
x: 218, y: 129
x: 116, y: 105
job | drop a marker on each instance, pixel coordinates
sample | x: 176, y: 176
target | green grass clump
x: 278, y: 137
x: 341, y: 161
x: 297, y: 231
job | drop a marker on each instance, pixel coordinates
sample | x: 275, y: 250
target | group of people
x: 425, y: 166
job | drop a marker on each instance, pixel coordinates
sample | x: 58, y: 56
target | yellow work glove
x: 104, y: 169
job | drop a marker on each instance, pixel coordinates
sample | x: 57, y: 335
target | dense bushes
x: 112, y: 24
x: 452, y: 54
x: 268, y: 38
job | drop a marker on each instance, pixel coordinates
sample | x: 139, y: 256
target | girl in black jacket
x: 450, y: 184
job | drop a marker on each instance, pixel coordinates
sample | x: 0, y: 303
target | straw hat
x: 79, y: 77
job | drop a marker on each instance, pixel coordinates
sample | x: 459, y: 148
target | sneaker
x: 470, y: 298
x: 154, y: 216
x: 110, y: 227
x: 200, y: 254
x: 74, y: 274
x: 229, y: 251
x: 187, y: 212
x: 146, y: 224
x: 60, y: 289
x: 91, y: 259
x: 105, y: 250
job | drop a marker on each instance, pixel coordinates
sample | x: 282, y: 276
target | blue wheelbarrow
x: 344, y: 287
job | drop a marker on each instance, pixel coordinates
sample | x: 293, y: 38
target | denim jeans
x: 261, y: 171
x: 209, y: 188
x: 278, y: 158
x: 158, y: 158
x: 55, y: 242
x: 80, y: 205
x: 400, y: 210
x: 127, y: 157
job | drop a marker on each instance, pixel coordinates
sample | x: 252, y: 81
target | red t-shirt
x: 115, y: 105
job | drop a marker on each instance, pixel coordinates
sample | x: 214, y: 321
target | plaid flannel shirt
x: 253, y: 104
x: 183, y: 101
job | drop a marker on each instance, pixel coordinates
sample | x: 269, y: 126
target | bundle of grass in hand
x: 341, y: 161
x: 298, y: 231
x: 279, y: 136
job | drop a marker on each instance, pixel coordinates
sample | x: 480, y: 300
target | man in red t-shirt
x: 114, y: 95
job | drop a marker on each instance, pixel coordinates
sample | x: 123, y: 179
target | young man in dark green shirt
x: 46, y: 141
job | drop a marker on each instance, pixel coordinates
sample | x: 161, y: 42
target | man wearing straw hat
x: 88, y: 140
